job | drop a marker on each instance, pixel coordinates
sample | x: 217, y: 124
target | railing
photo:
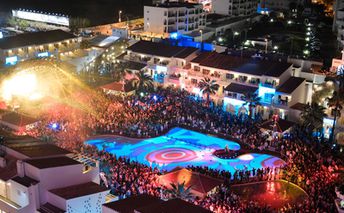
x: 280, y: 102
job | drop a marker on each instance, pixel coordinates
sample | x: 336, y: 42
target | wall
x: 298, y: 95
x: 91, y: 203
x: 51, y: 178
x: 154, y: 19
x: 18, y: 193
x: 220, y: 6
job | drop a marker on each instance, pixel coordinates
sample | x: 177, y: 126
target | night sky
x: 98, y: 11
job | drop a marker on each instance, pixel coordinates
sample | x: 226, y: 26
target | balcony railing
x: 280, y: 102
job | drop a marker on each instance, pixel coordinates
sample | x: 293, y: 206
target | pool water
x: 181, y: 148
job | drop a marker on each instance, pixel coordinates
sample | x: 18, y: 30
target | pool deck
x: 183, y: 147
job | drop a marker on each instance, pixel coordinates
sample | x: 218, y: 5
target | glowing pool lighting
x: 246, y: 157
x: 181, y: 148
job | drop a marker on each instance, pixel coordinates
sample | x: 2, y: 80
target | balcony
x: 281, y: 102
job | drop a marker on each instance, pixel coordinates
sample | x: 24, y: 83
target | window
x: 205, y: 71
x: 194, y: 81
x: 197, y: 68
x: 229, y: 76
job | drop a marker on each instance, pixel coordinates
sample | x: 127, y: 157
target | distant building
x: 36, y: 45
x: 280, y: 5
x: 172, y: 17
x: 338, y: 25
x: 235, y: 7
x: 40, y: 177
x: 49, y: 18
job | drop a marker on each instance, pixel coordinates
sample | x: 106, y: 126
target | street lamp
x: 201, y: 31
x: 119, y: 16
x: 235, y: 34
x: 266, y: 45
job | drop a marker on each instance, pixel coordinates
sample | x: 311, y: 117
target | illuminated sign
x: 1, y: 35
x: 41, y: 17
x: 12, y: 60
x: 43, y: 54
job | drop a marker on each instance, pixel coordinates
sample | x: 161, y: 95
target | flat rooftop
x: 290, y: 85
x: 16, y: 119
x: 25, y: 181
x: 178, y: 4
x: 240, y: 88
x: 35, y: 38
x: 173, y: 206
x: 36, y: 149
x: 79, y: 190
x: 160, y: 49
x: 242, y: 65
x: 129, y: 205
x: 44, y: 163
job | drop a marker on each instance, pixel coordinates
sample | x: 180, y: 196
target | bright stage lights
x: 22, y: 84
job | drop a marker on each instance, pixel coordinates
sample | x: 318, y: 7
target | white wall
x: 220, y: 6
x: 59, y: 177
x: 18, y: 193
x: 154, y: 19
x: 81, y: 204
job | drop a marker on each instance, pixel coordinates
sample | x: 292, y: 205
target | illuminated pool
x: 182, y: 147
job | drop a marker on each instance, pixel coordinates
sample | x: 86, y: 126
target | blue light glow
x: 182, y: 147
x: 174, y: 35
x: 266, y: 93
x: 54, y: 126
x: 12, y: 60
x: 43, y: 54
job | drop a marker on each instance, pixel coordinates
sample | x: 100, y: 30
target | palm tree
x: 335, y: 103
x: 253, y: 100
x: 142, y: 82
x: 312, y: 117
x: 121, y: 71
x: 208, y: 87
x: 179, y: 190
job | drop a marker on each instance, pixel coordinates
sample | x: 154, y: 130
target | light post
x: 119, y: 16
x: 201, y: 31
x: 235, y: 34
x: 266, y: 45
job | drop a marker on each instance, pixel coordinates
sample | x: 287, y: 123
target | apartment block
x: 172, y: 17
x: 235, y: 7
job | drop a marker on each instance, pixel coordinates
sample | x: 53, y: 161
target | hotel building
x: 40, y: 177
x: 36, y: 45
x: 284, y: 87
x: 172, y: 17
x: 235, y: 7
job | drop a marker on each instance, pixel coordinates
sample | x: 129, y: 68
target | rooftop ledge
x: 10, y: 203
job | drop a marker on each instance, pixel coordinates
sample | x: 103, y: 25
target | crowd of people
x: 154, y: 114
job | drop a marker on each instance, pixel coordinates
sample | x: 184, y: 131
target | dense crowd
x: 154, y: 114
